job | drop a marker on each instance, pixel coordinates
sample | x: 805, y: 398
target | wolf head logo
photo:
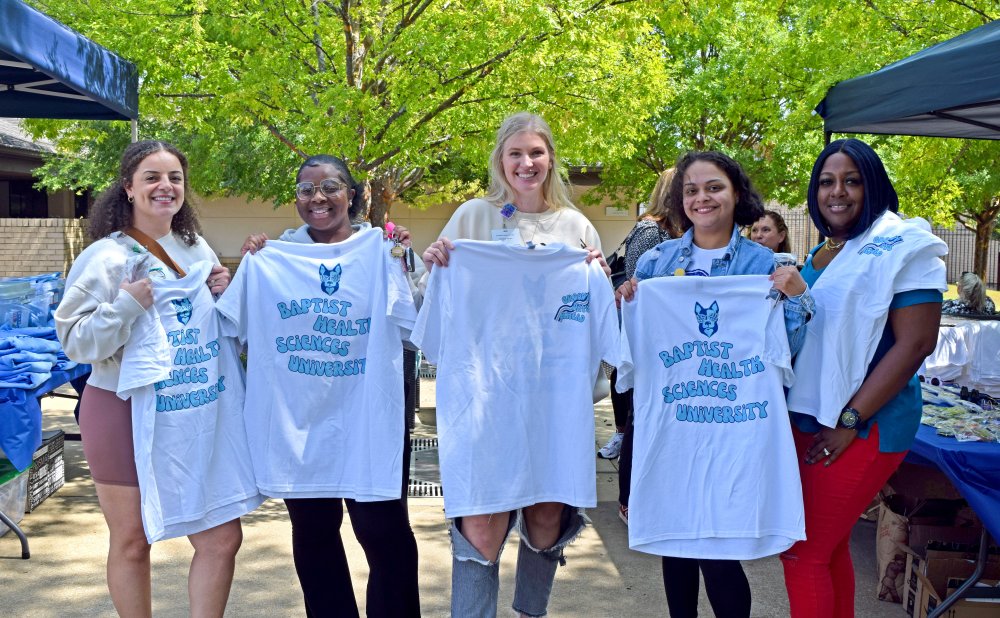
x: 708, y: 318
x: 329, y: 278
x: 183, y: 308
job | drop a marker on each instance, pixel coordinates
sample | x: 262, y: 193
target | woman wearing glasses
x: 327, y: 199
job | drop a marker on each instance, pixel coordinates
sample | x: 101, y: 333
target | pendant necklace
x: 831, y: 246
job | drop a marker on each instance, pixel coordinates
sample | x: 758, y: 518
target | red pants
x: 819, y: 574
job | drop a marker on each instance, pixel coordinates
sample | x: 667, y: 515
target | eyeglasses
x: 329, y: 188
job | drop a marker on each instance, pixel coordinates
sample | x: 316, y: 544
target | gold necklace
x: 832, y: 246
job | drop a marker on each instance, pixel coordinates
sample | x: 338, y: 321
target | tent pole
x: 135, y: 130
x: 826, y: 138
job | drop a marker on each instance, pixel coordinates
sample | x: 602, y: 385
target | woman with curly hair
x: 711, y: 197
x: 149, y: 200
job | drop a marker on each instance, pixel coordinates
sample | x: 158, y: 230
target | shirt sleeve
x: 604, y: 317
x: 232, y: 305
x: 427, y: 331
x: 95, y: 318
x: 915, y: 297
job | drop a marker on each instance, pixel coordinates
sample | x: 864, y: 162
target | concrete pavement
x: 65, y: 575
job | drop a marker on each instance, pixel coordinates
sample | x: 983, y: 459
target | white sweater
x: 95, y: 317
x: 477, y: 218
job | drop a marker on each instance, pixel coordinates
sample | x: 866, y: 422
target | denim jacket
x: 742, y: 257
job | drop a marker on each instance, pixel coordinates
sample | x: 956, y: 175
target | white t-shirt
x: 701, y: 260
x: 323, y: 324
x: 187, y: 389
x: 714, y: 471
x: 518, y: 336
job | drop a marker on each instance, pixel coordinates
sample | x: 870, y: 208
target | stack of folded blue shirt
x: 28, y: 356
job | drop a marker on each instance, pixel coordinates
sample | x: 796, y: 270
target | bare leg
x: 128, y: 554
x: 543, y: 520
x: 211, y: 574
x: 487, y: 533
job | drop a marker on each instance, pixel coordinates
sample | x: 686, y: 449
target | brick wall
x: 34, y: 246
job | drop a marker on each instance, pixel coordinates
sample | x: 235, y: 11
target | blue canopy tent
x: 50, y: 71
x: 949, y: 90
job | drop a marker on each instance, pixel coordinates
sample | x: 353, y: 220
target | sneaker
x: 623, y: 513
x: 613, y: 448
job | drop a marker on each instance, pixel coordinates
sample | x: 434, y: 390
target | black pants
x: 382, y: 529
x: 622, y: 405
x: 384, y: 532
x: 725, y: 583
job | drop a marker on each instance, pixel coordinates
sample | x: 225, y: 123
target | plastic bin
x: 13, y: 493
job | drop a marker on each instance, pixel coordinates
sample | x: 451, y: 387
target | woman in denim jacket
x: 710, y: 197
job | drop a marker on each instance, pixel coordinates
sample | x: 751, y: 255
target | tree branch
x: 277, y: 134
x: 345, y: 17
x: 986, y: 18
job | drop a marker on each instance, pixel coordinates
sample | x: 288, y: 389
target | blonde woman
x: 528, y: 204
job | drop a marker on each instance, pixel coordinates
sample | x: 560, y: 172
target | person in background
x: 972, y: 298
x: 328, y: 199
x: 653, y: 227
x: 151, y: 198
x: 770, y: 230
x: 877, y: 282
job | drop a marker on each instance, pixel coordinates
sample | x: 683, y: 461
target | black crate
x: 48, y: 471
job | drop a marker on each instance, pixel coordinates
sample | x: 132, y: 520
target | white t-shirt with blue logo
x: 701, y: 260
x: 714, y: 471
x: 187, y: 388
x: 324, y: 325
x: 517, y: 335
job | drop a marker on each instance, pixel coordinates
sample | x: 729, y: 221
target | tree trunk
x: 984, y: 231
x: 382, y: 198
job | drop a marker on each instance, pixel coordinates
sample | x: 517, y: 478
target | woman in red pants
x: 856, y: 402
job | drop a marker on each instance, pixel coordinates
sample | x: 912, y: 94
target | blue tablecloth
x: 973, y: 467
x: 21, y: 416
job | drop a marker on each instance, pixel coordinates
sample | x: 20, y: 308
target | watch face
x: 849, y: 418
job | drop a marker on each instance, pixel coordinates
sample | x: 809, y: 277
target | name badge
x: 508, y: 236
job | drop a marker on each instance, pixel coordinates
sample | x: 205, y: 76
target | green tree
x: 401, y: 90
x: 954, y: 181
x: 748, y: 75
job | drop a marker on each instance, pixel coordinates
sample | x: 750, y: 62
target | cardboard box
x: 923, y: 534
x: 48, y: 471
x: 966, y: 608
x: 926, y: 578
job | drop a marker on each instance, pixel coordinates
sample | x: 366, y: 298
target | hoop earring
x: 131, y: 199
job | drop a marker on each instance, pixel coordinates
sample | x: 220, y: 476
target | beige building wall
x: 228, y: 221
x: 36, y: 246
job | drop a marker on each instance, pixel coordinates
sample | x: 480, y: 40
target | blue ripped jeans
x: 475, y: 581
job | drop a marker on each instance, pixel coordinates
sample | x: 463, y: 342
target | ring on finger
x: 827, y: 452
